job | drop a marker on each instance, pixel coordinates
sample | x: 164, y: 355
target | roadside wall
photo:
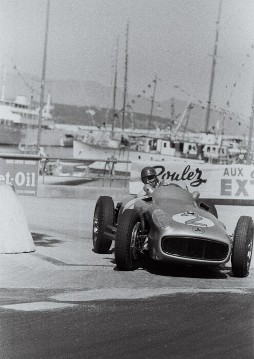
x: 224, y: 184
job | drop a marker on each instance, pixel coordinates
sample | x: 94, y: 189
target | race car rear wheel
x: 242, y: 247
x: 104, y: 214
x: 127, y: 236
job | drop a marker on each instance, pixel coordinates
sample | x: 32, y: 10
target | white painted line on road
x: 112, y: 293
x: 139, y: 293
x: 37, y: 306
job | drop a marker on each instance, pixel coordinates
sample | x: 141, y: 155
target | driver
x: 150, y: 179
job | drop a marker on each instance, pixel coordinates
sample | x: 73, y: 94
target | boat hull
x: 82, y: 150
x: 10, y: 135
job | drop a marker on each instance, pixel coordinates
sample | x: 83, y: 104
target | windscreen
x: 172, y: 192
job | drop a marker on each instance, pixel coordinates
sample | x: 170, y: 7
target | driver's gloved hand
x: 148, y: 189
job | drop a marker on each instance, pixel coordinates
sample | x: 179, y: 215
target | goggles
x: 150, y: 178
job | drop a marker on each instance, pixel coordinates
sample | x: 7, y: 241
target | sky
x: 171, y: 38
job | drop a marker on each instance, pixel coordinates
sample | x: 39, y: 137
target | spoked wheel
x: 104, y: 214
x: 242, y: 247
x: 128, y: 240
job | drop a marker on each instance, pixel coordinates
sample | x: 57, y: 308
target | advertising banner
x: 223, y: 183
x: 22, y: 174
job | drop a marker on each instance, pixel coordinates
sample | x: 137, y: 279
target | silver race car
x: 170, y: 225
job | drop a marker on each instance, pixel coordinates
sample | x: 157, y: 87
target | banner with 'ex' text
x: 224, y: 183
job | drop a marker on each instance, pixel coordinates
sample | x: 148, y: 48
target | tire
x: 208, y: 206
x: 104, y: 214
x: 129, y: 226
x: 242, y: 247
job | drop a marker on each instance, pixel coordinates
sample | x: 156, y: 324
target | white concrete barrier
x: 15, y: 236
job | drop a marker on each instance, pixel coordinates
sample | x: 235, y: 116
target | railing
x: 107, y: 170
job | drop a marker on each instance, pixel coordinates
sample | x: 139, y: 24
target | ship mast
x: 43, y: 78
x: 208, y: 109
x: 125, y: 75
x: 115, y: 88
x: 152, y: 103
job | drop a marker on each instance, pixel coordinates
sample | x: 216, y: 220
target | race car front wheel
x: 242, y: 247
x: 104, y: 214
x: 126, y: 246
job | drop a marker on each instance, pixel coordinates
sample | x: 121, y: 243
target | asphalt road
x: 64, y: 301
x: 178, y: 326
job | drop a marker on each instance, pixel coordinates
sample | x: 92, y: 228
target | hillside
x: 88, y: 102
x: 89, y: 116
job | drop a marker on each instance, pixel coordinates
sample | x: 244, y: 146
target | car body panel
x: 172, y: 212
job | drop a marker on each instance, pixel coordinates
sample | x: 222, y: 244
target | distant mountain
x: 85, y: 94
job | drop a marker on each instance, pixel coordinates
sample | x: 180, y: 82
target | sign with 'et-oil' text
x: 22, y: 174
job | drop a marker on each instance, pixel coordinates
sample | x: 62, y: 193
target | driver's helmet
x: 149, y: 176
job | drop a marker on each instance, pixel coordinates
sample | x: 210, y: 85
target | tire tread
x: 106, y: 214
x: 242, y: 237
x: 123, y: 236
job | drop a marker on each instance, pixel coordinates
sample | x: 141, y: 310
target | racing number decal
x: 192, y: 219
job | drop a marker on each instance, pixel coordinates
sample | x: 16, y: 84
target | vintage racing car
x: 170, y: 225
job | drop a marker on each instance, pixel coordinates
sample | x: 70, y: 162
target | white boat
x: 15, y: 116
x: 196, y: 147
x: 19, y: 126
x: 23, y: 113
x: 34, y: 122
x: 139, y: 148
x: 145, y: 149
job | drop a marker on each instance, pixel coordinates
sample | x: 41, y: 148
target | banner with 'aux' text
x: 223, y: 183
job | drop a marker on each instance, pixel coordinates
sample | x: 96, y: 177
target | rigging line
x: 231, y: 94
x: 23, y: 78
x: 145, y: 91
x: 113, y: 74
x: 197, y: 86
x: 25, y: 81
x: 239, y: 77
x: 20, y: 75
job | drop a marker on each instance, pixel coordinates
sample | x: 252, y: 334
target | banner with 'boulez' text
x: 22, y: 174
x: 221, y: 182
